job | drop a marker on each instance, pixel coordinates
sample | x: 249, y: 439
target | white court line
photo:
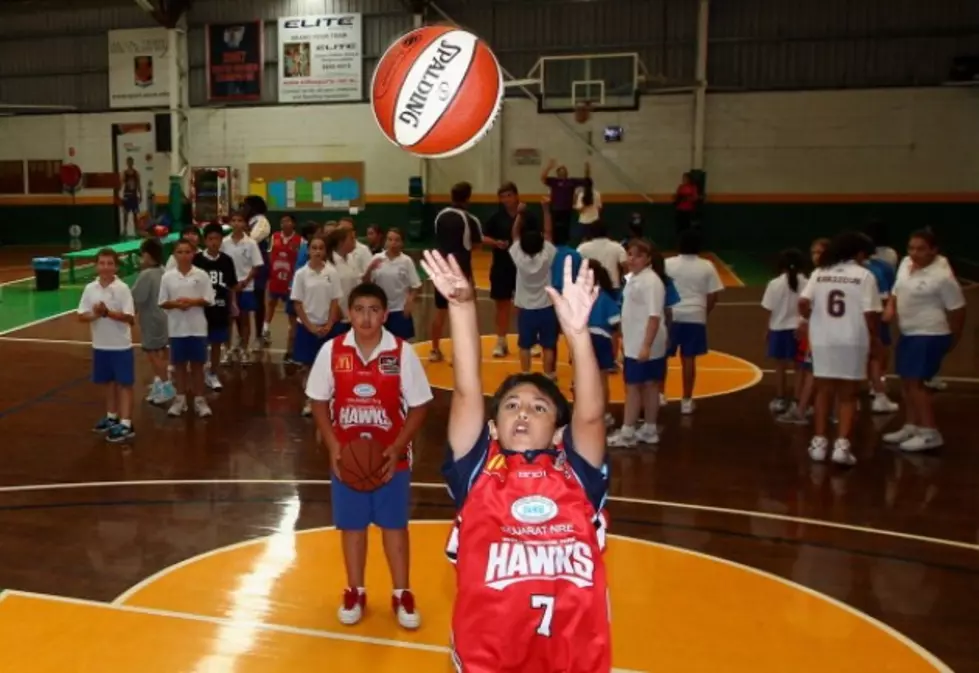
x: 36, y: 322
x: 118, y: 603
x: 262, y: 626
x: 883, y: 532
x: 280, y: 351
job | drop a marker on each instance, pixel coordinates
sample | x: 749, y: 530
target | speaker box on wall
x: 161, y: 124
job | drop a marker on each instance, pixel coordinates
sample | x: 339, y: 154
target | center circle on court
x: 672, y: 609
x: 717, y: 373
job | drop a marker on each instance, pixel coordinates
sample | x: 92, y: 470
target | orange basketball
x: 437, y: 91
x: 362, y: 464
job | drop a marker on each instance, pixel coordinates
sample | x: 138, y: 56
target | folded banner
x: 235, y: 61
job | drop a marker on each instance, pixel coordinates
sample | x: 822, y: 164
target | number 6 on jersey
x: 546, y: 604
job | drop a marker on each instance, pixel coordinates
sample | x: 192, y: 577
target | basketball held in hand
x: 362, y: 464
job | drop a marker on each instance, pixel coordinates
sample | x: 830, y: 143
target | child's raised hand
x: 447, y: 277
x: 573, y: 305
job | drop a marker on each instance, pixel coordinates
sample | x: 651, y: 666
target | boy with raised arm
x: 529, y: 486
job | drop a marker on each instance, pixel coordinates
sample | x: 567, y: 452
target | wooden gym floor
x: 206, y: 545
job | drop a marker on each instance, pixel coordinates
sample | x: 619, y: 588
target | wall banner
x: 320, y: 59
x: 139, y: 72
x: 235, y: 61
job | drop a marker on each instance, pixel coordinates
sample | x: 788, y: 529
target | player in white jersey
x: 941, y: 264
x: 842, y: 304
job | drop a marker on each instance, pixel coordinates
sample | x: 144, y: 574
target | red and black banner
x: 235, y: 61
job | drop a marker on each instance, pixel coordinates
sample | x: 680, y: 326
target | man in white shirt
x: 245, y: 253
x: 107, y: 306
x: 361, y: 254
x: 536, y: 321
x: 610, y: 254
x: 364, y: 386
x: 698, y: 285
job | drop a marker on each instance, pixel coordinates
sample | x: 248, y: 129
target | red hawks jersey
x: 367, y: 400
x: 532, y: 595
x: 282, y: 262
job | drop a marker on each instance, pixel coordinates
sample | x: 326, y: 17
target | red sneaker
x: 404, y: 609
x: 354, y: 603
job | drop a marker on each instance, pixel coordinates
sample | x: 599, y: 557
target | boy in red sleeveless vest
x: 283, y: 253
x: 369, y: 384
x: 530, y: 487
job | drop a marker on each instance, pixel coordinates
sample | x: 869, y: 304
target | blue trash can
x: 47, y: 273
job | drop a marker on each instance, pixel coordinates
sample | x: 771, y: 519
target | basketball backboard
x: 603, y: 81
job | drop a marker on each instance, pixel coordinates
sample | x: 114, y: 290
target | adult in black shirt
x: 498, y: 233
x: 456, y: 232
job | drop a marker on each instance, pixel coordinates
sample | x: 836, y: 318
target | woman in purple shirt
x: 562, y: 198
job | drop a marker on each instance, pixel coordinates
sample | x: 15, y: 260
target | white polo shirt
x: 923, y: 297
x: 349, y: 275
x: 694, y: 279
x: 109, y: 334
x: 643, y: 297
x: 396, y: 277
x: 783, y: 303
x: 316, y: 290
x: 941, y: 262
x: 414, y: 384
x: 362, y: 257
x: 533, y: 276
x: 841, y: 297
x: 196, y: 284
x: 246, y: 255
x: 608, y: 253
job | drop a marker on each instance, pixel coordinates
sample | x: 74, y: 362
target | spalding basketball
x: 362, y: 464
x: 437, y: 91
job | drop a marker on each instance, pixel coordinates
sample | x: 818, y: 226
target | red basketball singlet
x: 532, y: 593
x: 367, y: 401
x: 282, y: 262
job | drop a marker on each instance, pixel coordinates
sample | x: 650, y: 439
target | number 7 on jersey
x: 546, y: 605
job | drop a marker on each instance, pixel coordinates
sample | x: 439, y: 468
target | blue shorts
x: 247, y: 302
x: 279, y: 296
x: 537, y: 327
x: 218, y: 335
x: 602, y: 345
x: 920, y: 357
x: 387, y: 507
x: 114, y: 367
x: 690, y: 338
x: 885, y: 333
x: 261, y: 276
x: 782, y: 344
x: 644, y: 371
x: 338, y: 329
x: 290, y: 307
x: 188, y: 349
x: 306, y: 346
x: 400, y: 325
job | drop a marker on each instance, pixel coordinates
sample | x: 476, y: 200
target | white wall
x: 874, y: 142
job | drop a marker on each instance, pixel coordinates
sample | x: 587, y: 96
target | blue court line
x: 43, y: 397
x: 438, y: 505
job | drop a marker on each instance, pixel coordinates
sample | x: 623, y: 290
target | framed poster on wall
x: 320, y: 59
x: 139, y: 72
x: 235, y: 61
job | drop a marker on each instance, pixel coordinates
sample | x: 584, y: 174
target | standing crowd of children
x: 189, y: 307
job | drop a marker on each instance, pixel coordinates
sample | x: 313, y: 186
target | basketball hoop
x: 582, y: 112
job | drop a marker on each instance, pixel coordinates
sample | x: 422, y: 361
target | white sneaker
x: 901, y: 436
x: 352, y: 609
x: 818, y: 448
x: 201, y: 408
x: 778, y: 406
x: 154, y: 390
x: 793, y: 416
x: 647, y: 434
x: 663, y: 400
x: 609, y: 421
x: 925, y: 439
x: 178, y: 407
x: 936, y: 384
x: 244, y: 357
x: 307, y: 409
x: 228, y: 355
x: 687, y: 406
x: 501, y: 350
x: 882, y: 404
x: 622, y: 439
x: 267, y: 334
x: 212, y: 381
x: 165, y: 394
x: 842, y: 455
x: 404, y: 608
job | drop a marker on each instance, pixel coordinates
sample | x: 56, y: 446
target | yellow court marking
x: 717, y: 373
x: 672, y: 609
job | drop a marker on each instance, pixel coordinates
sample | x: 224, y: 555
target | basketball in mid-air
x: 437, y: 91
